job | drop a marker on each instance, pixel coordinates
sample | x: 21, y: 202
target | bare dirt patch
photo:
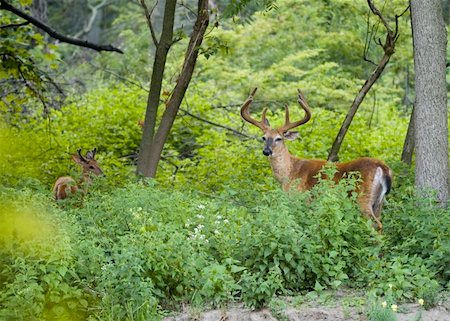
x: 339, y: 311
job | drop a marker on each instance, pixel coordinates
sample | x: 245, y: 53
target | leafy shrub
x: 404, y: 278
x: 38, y: 274
x: 132, y: 251
x: 417, y: 227
x: 259, y: 288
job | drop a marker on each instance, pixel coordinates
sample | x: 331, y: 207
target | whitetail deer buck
x: 375, y: 174
x: 66, y: 185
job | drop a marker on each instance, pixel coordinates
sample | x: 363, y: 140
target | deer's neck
x: 86, y: 179
x: 282, y: 165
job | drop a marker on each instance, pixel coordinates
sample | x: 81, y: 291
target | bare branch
x: 377, y: 12
x: 132, y: 82
x: 52, y: 33
x: 188, y: 9
x: 35, y: 92
x: 234, y: 131
x: 148, y: 16
x: 15, y: 25
x: 94, y: 13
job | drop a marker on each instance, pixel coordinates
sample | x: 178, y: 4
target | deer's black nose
x: 267, y: 152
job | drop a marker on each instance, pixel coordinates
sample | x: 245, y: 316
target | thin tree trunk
x: 408, y: 145
x: 333, y: 155
x: 431, y: 125
x: 181, y: 86
x: 388, y: 47
x: 159, y: 64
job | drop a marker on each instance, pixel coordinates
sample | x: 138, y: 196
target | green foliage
x: 38, y: 275
x: 18, y: 155
x: 415, y: 250
x: 419, y: 228
x: 26, y: 68
x: 156, y: 247
x: 213, y: 227
x: 379, y: 313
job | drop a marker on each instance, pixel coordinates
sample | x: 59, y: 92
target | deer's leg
x: 367, y: 209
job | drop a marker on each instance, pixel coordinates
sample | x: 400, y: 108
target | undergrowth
x: 136, y: 251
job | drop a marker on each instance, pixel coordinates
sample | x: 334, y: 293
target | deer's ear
x: 91, y: 154
x: 290, y: 135
x: 77, y: 159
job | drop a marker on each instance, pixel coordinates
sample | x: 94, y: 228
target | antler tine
x: 286, y: 117
x: 81, y: 156
x: 91, y: 154
x: 302, y: 101
x: 245, y: 114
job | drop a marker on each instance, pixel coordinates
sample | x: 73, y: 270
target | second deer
x: 66, y: 185
x: 375, y: 174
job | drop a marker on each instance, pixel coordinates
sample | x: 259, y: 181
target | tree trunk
x: 408, y: 145
x: 159, y: 64
x: 388, y: 48
x: 181, y: 86
x: 431, y: 130
x: 333, y: 154
x: 39, y: 10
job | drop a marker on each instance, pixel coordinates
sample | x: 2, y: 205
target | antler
x: 246, y: 114
x: 287, y: 124
x: 81, y: 156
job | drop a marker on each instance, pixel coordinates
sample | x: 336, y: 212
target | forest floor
x: 348, y: 308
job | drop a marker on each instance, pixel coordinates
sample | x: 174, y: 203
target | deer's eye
x: 278, y: 139
x: 263, y: 138
x: 91, y: 167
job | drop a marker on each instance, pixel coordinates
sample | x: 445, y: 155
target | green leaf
x: 288, y: 257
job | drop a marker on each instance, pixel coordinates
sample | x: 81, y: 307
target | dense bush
x: 137, y: 250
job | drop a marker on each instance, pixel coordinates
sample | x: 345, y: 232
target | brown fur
x: 63, y: 187
x: 288, y: 168
x: 66, y: 185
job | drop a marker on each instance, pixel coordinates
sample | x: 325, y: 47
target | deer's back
x: 64, y: 186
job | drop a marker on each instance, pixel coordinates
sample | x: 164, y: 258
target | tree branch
x: 52, y: 33
x: 377, y: 12
x: 94, y: 13
x: 234, y: 131
x: 148, y: 16
x: 14, y: 25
